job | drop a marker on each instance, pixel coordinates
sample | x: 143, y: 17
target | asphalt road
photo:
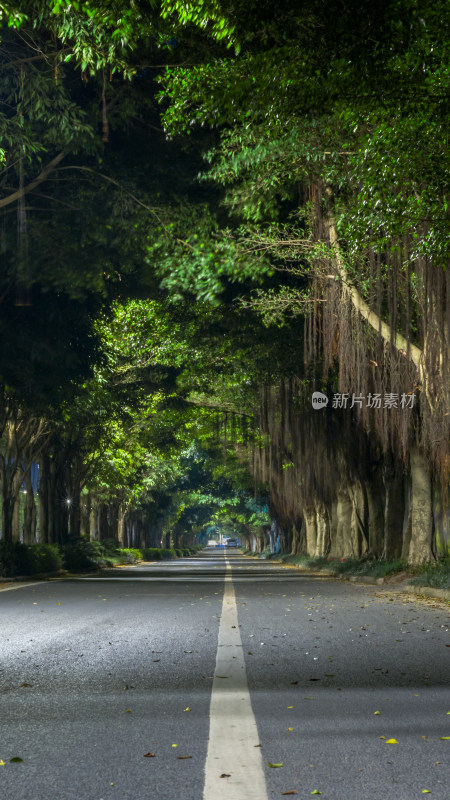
x: 97, y: 673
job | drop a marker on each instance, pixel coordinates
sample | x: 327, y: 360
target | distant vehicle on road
x: 231, y: 542
x: 212, y: 543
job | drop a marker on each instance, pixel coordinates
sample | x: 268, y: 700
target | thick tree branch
x: 397, y: 340
x: 40, y: 57
x: 6, y: 201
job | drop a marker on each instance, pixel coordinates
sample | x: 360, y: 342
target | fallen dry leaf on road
x: 149, y: 755
x: 15, y: 760
x: 181, y: 758
x: 293, y: 791
x: 224, y: 775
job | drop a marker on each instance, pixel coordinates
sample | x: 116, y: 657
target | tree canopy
x: 209, y: 211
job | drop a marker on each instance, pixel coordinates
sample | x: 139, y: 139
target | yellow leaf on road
x: 174, y: 745
x: 187, y: 709
x: 444, y: 737
x: 391, y: 741
x: 376, y: 713
x: 275, y: 765
x: 2, y: 763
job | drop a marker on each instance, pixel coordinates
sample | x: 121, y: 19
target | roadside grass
x: 436, y: 575
x: 374, y: 568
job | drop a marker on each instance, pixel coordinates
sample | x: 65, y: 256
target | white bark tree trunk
x: 421, y: 545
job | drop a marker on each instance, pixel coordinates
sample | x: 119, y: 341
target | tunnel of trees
x: 209, y: 212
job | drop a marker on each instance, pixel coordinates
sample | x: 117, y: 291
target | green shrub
x: 129, y: 555
x: 152, y: 554
x: 22, y: 559
x: 168, y: 553
x: 178, y: 552
x: 84, y: 555
x: 187, y: 551
x: 110, y: 546
x: 49, y: 558
x: 112, y: 561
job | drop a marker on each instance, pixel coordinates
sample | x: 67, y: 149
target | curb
x: 40, y: 576
x: 366, y: 579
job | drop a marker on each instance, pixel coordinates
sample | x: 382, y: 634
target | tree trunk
x: 333, y: 530
x: 359, y: 534
x: 121, y: 525
x: 15, y: 522
x: 85, y: 515
x: 394, y: 509
x: 421, y: 546
x: 29, y: 522
x: 344, y: 511
x: 52, y: 503
x: 310, y: 520
x: 298, y: 539
x: 43, y: 500
x: 323, y: 540
x: 375, y: 510
x: 8, y: 504
x: 103, y: 527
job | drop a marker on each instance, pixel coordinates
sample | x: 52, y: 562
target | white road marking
x: 233, y: 735
x: 20, y: 586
